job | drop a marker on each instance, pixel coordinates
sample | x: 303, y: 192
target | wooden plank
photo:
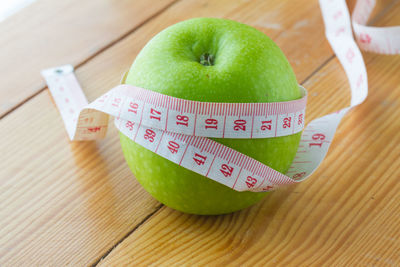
x: 346, y: 214
x: 68, y: 204
x: 290, y: 30
x: 50, y: 33
x: 29, y: 45
x: 62, y: 203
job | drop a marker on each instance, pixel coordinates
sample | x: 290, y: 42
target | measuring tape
x: 177, y: 129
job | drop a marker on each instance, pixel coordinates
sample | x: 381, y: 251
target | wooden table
x: 77, y: 204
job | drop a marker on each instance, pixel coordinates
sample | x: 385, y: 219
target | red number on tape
x: 250, y: 181
x: 365, y: 38
x: 116, y: 102
x: 226, y: 170
x: 149, y: 135
x: 211, y: 124
x: 240, y: 125
x: 173, y: 147
x: 94, y: 129
x: 133, y: 107
x: 266, y: 125
x: 300, y: 122
x: 199, y: 159
x: 286, y: 122
x: 155, y: 114
x: 182, y: 120
x: 316, y: 137
x: 299, y: 175
x: 129, y: 125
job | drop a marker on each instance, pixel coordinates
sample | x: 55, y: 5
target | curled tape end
x: 175, y: 128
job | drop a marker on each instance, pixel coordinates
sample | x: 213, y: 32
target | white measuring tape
x: 177, y: 129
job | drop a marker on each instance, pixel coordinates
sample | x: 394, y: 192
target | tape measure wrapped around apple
x: 212, y: 78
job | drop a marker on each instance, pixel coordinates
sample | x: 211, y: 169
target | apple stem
x: 206, y: 59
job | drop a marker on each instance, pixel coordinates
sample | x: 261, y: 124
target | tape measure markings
x: 206, y: 157
x: 176, y: 129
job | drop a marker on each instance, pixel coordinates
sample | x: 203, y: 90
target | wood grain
x: 51, y: 33
x: 60, y: 199
x: 67, y: 203
x: 346, y: 214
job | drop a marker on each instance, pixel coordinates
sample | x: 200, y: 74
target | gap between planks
x: 95, y: 54
x: 162, y: 205
x: 126, y: 236
x: 315, y: 71
x: 111, y: 44
x: 134, y: 29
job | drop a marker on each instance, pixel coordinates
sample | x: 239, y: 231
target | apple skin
x: 247, y: 67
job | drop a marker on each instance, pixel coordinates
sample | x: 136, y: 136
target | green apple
x: 211, y: 60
